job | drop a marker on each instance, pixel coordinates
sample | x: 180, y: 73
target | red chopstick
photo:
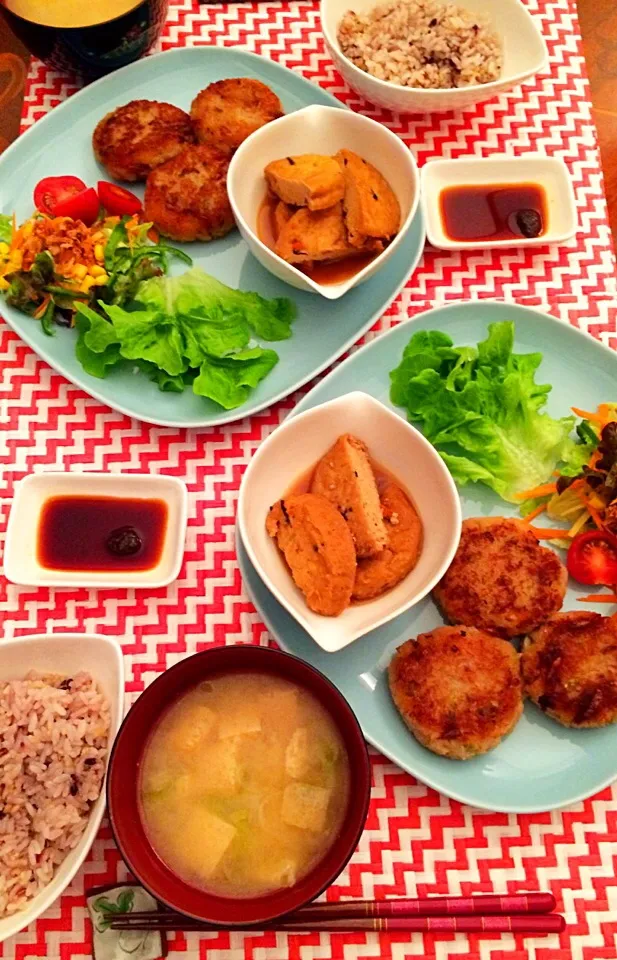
x: 478, y: 905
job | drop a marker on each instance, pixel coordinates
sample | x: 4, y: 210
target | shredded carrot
x: 593, y: 513
x: 605, y: 412
x: 42, y: 308
x: 549, y: 533
x: 599, y: 598
x: 593, y: 460
x: 587, y: 415
x: 535, y: 513
x: 544, y: 490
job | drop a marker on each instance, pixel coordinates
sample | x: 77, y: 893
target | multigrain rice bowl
x: 422, y: 43
x: 54, y: 734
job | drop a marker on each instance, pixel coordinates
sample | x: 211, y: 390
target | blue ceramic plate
x: 541, y: 765
x: 61, y: 143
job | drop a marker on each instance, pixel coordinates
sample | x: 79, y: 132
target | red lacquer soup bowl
x: 124, y: 779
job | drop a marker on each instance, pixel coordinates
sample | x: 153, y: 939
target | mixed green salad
x: 109, y: 281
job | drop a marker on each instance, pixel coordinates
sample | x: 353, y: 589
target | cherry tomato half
x: 52, y: 190
x: 117, y: 201
x: 592, y: 558
x: 82, y: 206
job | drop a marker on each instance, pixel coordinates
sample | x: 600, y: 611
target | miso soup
x: 244, y: 785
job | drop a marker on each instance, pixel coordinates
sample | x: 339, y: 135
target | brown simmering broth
x: 335, y: 271
x: 244, y: 785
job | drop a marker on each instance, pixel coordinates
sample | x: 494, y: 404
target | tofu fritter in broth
x: 309, y: 236
x: 186, y: 198
x: 501, y: 579
x: 569, y: 669
x: 458, y: 690
x: 345, y: 477
x: 310, y: 180
x: 228, y: 111
x: 134, y: 139
x: 372, y: 211
x: 318, y: 548
x: 382, y: 572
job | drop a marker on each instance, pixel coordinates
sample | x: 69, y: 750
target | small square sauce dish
x: 483, y: 203
x: 96, y: 530
x: 322, y: 160
x: 415, y: 507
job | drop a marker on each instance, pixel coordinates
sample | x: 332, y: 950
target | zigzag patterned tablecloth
x: 415, y: 842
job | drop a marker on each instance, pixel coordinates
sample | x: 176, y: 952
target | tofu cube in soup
x: 305, y: 806
x: 192, y: 729
x: 198, y: 823
x: 218, y: 770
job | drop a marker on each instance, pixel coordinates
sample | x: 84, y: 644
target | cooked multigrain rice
x: 422, y: 43
x: 53, y: 747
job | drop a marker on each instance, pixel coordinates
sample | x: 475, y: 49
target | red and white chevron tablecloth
x: 415, y: 842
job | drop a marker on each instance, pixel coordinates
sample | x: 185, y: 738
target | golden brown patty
x: 318, y: 548
x: 457, y: 689
x: 134, y: 139
x: 570, y: 669
x: 501, y: 579
x: 228, y: 111
x: 186, y: 198
x: 377, y: 574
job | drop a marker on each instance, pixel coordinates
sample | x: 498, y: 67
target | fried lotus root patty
x: 186, y: 198
x: 501, y: 579
x: 569, y: 669
x: 134, y: 139
x: 377, y: 574
x: 318, y: 548
x: 458, y: 689
x: 228, y: 111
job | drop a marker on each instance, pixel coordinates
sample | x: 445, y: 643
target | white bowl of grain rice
x: 61, y: 703
x: 417, y: 56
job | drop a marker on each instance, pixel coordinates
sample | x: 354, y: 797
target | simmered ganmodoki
x: 244, y: 785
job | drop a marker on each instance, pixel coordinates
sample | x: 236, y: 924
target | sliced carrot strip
x: 549, y: 533
x: 598, y: 598
x: 544, y: 490
x: 587, y: 415
x: 535, y: 513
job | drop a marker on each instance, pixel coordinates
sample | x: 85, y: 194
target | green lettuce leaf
x: 97, y: 347
x: 481, y: 408
x: 147, y: 336
x: 197, y: 293
x: 229, y: 380
x: 6, y: 228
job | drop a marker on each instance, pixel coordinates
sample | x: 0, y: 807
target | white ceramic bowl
x: 326, y: 130
x: 550, y: 172
x: 293, y: 449
x: 65, y: 653
x: 524, y: 49
x: 20, y: 551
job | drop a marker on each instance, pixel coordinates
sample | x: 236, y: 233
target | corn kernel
x: 96, y: 271
x: 99, y: 252
x: 80, y: 270
x: 87, y: 284
x: 27, y: 229
x: 16, y: 259
x: 98, y: 236
x: 4, y: 284
x: 4, y: 249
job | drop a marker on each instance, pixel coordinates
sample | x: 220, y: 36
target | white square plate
x: 549, y: 172
x: 21, y: 564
